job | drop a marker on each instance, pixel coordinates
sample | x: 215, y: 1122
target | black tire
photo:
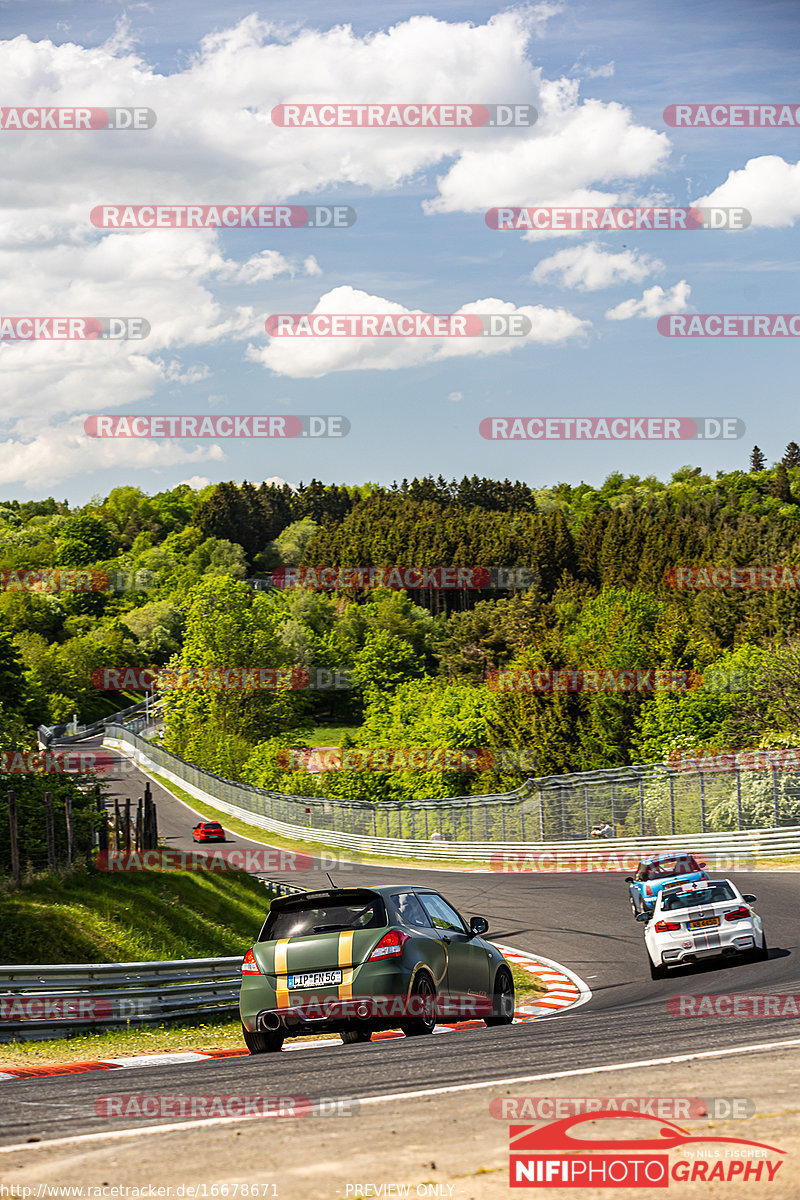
x: 262, y: 1043
x: 634, y: 909
x: 351, y: 1036
x: 421, y: 1026
x: 656, y: 972
x: 762, y: 953
x: 503, y: 999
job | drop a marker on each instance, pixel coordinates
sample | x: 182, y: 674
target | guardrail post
x: 13, y: 838
x: 70, y: 830
x: 49, y: 832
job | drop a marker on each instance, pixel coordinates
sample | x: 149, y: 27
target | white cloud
x: 768, y: 187
x: 655, y: 302
x: 196, y: 482
x: 57, y: 454
x: 589, y: 268
x: 572, y: 149
x: 455, y: 397
x: 313, y: 357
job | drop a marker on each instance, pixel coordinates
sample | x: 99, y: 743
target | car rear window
x: 716, y: 893
x: 302, y: 917
x: 667, y: 867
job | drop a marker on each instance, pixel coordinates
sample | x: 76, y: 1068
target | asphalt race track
x: 582, y: 921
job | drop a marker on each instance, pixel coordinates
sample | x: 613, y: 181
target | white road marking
x: 180, y: 1126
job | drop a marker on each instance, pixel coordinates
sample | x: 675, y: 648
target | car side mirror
x: 643, y: 916
x: 629, y: 879
x: 702, y: 866
x: 478, y: 925
x: 748, y: 899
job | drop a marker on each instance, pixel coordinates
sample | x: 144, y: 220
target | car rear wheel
x: 634, y: 909
x: 423, y: 995
x: 262, y: 1043
x: 350, y: 1036
x: 503, y: 999
x: 656, y: 972
x: 762, y: 952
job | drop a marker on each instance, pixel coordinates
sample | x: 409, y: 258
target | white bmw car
x: 703, y: 919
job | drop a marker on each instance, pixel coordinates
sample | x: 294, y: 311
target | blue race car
x: 659, y: 872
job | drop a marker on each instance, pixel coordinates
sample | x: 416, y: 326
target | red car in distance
x: 208, y: 831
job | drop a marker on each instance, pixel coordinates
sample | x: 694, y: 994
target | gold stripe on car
x: 281, y: 976
x: 346, y: 963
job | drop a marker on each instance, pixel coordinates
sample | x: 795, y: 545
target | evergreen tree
x: 757, y: 461
x: 791, y: 456
x: 781, y: 485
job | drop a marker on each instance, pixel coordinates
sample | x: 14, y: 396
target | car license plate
x: 314, y: 979
x: 705, y: 923
x: 667, y: 886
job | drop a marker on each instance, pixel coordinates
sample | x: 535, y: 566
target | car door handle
x: 445, y: 938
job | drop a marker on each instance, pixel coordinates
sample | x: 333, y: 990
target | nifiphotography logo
x: 558, y: 1155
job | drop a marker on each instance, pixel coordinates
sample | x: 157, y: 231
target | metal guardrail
x: 654, y: 803
x: 58, y: 733
x: 268, y: 810
x: 44, y: 1001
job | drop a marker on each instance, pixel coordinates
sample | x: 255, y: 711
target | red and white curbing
x: 564, y: 990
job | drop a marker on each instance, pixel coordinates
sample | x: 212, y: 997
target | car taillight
x: 249, y: 964
x: 667, y: 926
x: 648, y: 891
x: 390, y: 945
x: 737, y: 914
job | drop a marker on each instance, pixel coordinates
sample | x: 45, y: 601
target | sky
x: 599, y: 76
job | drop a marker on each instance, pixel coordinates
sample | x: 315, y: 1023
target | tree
x: 791, y: 457
x: 757, y: 461
x: 84, y: 540
x: 781, y: 486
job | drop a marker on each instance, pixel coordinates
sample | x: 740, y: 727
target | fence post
x: 521, y: 820
x: 127, y: 833
x: 102, y: 829
x: 541, y: 816
x: 613, y: 809
x: 641, y: 805
x: 671, y: 803
x: 738, y: 798
x: 13, y: 838
x: 776, y: 796
x: 702, y: 801
x: 49, y: 832
x: 586, y: 806
x: 70, y: 830
x: 139, y: 826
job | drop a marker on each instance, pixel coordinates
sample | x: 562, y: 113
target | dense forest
x: 182, y: 580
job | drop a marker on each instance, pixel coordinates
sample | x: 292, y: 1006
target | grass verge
x: 92, y: 916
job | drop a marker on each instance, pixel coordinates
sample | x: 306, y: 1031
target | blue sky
x: 600, y: 77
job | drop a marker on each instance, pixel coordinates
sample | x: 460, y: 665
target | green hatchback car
x: 355, y: 960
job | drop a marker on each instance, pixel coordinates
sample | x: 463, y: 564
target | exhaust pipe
x: 362, y: 1011
x: 269, y: 1021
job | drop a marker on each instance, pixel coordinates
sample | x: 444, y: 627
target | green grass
x: 93, y: 916
x: 331, y: 735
